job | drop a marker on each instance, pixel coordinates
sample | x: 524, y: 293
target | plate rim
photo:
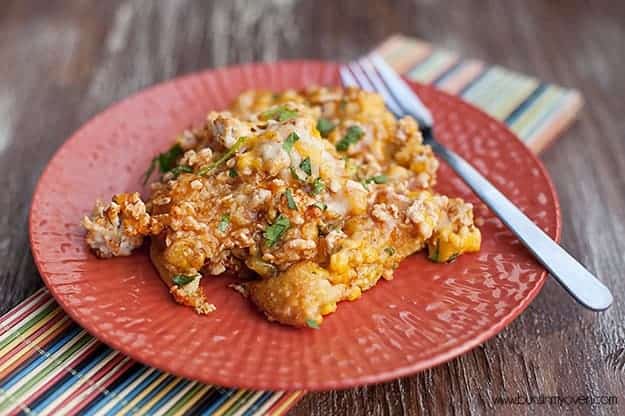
x: 344, y: 383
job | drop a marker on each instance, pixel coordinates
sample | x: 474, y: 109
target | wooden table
x: 61, y: 62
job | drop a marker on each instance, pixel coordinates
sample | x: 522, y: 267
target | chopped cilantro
x: 280, y: 113
x: 274, y: 232
x: 379, y: 179
x: 311, y: 323
x: 453, y: 257
x: 289, y: 199
x: 325, y: 126
x: 290, y: 141
x: 181, y: 279
x: 224, y: 222
x: 320, y: 205
x: 305, y: 166
x: 433, y: 252
x: 318, y: 186
x: 165, y: 161
x: 233, y: 173
x: 180, y: 169
x: 229, y: 153
x: 294, y: 174
x: 352, y: 136
x: 389, y: 250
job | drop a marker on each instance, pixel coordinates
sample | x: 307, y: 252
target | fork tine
x: 361, y: 78
x: 347, y: 78
x: 405, y: 96
x: 380, y: 87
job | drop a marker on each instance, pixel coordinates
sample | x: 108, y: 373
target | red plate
x: 427, y: 315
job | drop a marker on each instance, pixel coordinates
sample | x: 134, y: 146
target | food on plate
x: 312, y: 195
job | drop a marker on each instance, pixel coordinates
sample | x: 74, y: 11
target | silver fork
x: 374, y: 74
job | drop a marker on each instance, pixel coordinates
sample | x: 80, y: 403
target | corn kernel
x: 418, y: 166
x: 358, y: 202
x: 328, y: 308
x: 248, y: 160
x: 351, y: 243
x: 354, y: 293
x: 473, y: 241
x: 339, y: 261
x: 369, y: 254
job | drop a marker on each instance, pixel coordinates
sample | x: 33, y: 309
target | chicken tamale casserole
x: 313, y: 196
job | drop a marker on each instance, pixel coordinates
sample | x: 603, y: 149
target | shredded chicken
x: 319, y: 193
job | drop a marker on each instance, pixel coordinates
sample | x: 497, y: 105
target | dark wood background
x: 61, y: 62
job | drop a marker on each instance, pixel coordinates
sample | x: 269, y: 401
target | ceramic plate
x: 427, y: 315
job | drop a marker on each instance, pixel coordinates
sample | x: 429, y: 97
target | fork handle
x: 574, y: 277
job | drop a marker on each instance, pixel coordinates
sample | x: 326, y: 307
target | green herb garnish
x: 165, y: 161
x: 294, y: 174
x: 305, y: 166
x: 229, y: 153
x: 280, y: 113
x: 434, y: 254
x: 379, y: 179
x: 352, y: 136
x: 290, y: 141
x: 325, y: 126
x: 180, y: 169
x: 320, y: 205
x: 389, y: 250
x: 273, y: 233
x: 289, y: 199
x: 453, y: 257
x: 311, y: 323
x: 224, y: 222
x: 233, y: 173
x: 318, y: 186
x: 181, y: 279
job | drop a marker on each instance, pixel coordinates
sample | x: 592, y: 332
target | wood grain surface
x: 61, y: 62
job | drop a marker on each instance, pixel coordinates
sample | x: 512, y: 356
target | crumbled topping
x: 118, y: 228
x: 319, y: 192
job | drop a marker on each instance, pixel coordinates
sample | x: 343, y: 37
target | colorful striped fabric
x: 50, y: 366
x: 537, y: 112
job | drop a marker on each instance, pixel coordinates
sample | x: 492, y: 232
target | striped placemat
x: 536, y: 111
x: 51, y: 366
